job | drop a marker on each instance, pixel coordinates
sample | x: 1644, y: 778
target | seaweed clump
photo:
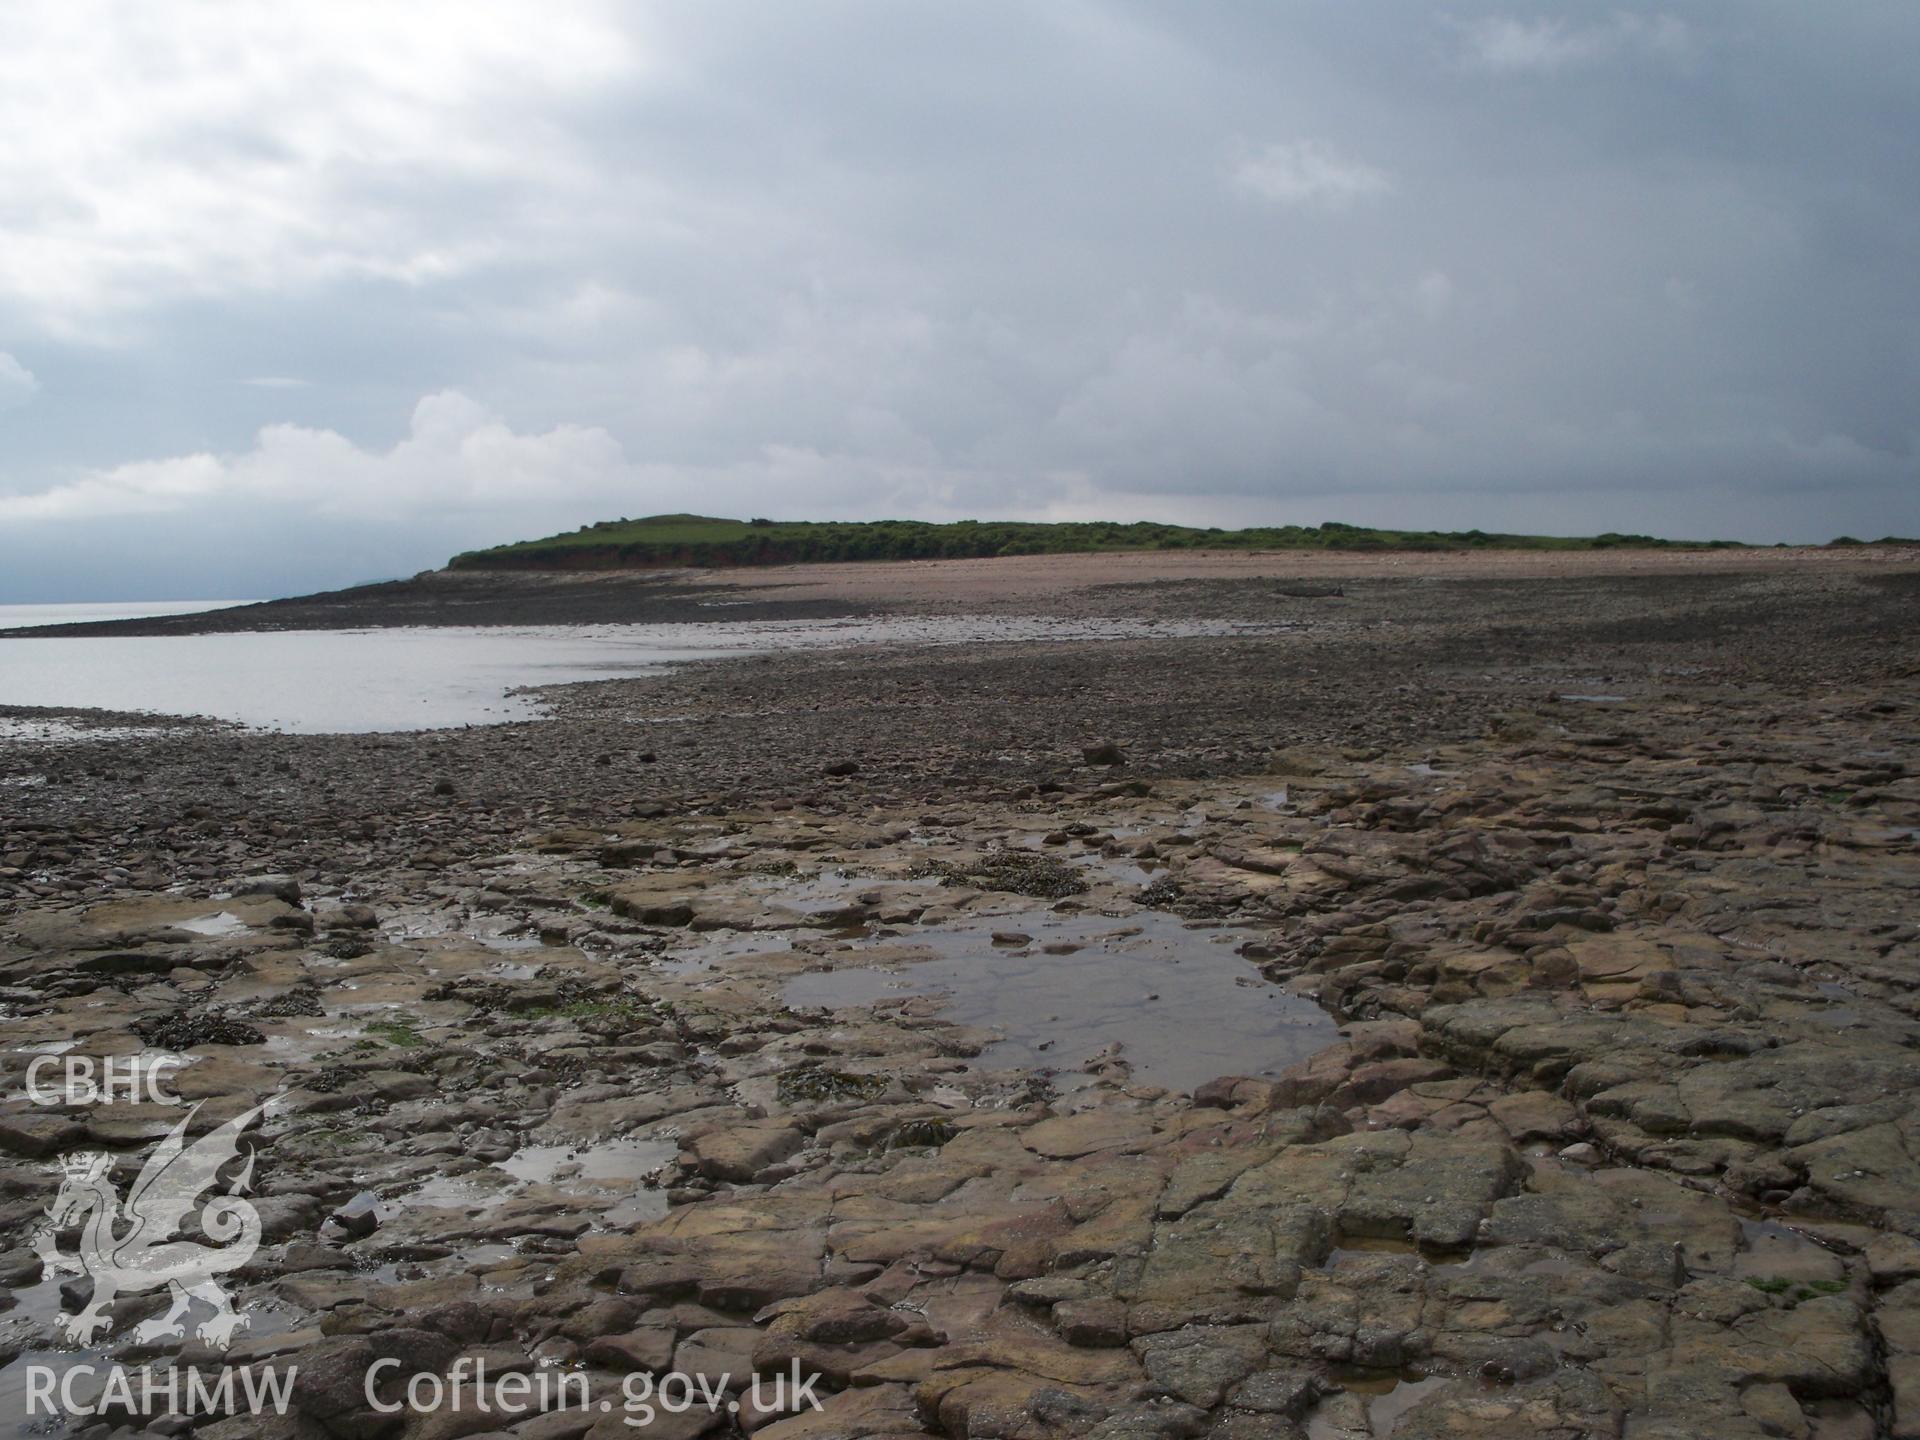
x: 186, y: 1029
x: 818, y: 1084
x: 1018, y: 872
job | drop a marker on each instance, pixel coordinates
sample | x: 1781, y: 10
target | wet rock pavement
x: 1563, y: 1086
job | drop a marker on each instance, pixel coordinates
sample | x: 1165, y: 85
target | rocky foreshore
x: 1561, y: 934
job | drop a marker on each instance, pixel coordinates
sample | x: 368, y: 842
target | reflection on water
x: 323, y: 681
x: 609, y: 1177
x: 13, y: 617
x: 346, y: 681
x: 1386, y: 1395
x: 1182, y: 1007
x: 27, y: 1333
x: 224, y: 922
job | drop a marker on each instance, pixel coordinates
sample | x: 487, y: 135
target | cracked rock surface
x: 1568, y: 932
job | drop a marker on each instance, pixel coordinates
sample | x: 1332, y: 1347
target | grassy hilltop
x: 701, y: 541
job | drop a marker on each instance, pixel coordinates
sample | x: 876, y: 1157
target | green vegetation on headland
x: 674, y: 541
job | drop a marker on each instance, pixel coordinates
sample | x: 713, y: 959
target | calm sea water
x: 14, y: 617
x: 343, y: 681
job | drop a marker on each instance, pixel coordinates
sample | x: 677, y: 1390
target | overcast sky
x: 298, y: 295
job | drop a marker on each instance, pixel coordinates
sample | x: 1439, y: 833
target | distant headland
x: 709, y: 542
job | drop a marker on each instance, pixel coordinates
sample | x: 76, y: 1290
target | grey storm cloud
x: 295, y: 296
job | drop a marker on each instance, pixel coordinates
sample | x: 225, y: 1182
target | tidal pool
x: 1180, y: 1004
x: 439, y: 677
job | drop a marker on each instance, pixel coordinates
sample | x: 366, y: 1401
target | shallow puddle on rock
x: 507, y: 932
x: 1775, y: 1258
x: 45, y: 1047
x: 1181, y: 1005
x: 857, y: 985
x: 225, y: 922
x: 514, y: 970
x: 608, y: 1177
x: 1392, y: 1395
x: 417, y: 925
x: 724, y: 946
x: 812, y: 894
x: 624, y: 1159
x: 269, y: 1317
x: 1841, y: 1017
x: 1366, y: 1247
x: 1120, y: 869
x: 297, y: 1042
x: 1384, y: 1411
x: 512, y: 944
x: 29, y: 1324
x: 642, y: 1207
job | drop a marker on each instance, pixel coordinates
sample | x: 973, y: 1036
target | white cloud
x: 206, y: 150
x: 1308, y: 175
x: 17, y: 385
x: 460, y: 465
x: 1508, y: 45
x: 455, y: 458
